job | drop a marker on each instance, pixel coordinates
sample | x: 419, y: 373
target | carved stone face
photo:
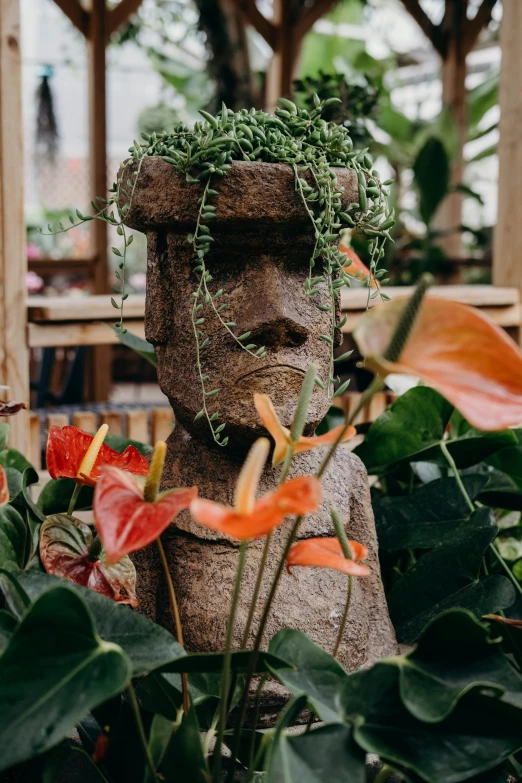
x: 260, y: 258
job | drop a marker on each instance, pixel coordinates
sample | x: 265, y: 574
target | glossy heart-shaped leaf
x: 13, y: 537
x: 148, y: 645
x: 76, y: 670
x: 64, y: 550
x: 56, y: 496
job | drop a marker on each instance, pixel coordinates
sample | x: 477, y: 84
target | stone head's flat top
x: 249, y: 194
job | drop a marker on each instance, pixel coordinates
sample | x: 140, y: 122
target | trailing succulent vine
x: 299, y: 138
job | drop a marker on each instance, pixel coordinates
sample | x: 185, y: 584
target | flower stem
x: 225, y: 682
x: 141, y: 731
x: 344, y: 617
x: 471, y: 505
x: 177, y: 619
x: 74, y: 499
x: 458, y: 479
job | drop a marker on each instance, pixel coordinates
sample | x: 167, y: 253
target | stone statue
x: 260, y: 257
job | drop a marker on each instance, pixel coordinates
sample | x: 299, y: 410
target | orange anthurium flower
x: 251, y: 518
x: 126, y: 521
x: 355, y: 264
x: 327, y: 553
x: 457, y: 350
x: 281, y: 435
x: 4, y: 488
x: 74, y: 454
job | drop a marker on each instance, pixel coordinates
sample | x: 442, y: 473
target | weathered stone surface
x: 261, y: 260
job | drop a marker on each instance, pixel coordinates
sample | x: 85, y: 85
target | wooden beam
x: 481, y: 19
x: 76, y: 14
x: 507, y: 249
x: 282, y: 66
x: 253, y: 16
x: 310, y: 15
x: 14, y: 355
x: 100, y: 369
x: 120, y: 14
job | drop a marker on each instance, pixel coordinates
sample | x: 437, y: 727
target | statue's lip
x: 274, y: 368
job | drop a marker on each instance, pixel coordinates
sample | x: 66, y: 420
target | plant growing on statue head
x: 298, y: 138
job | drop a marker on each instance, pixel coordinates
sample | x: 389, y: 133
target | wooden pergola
x: 284, y: 32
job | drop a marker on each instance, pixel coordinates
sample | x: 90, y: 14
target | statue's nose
x: 270, y: 311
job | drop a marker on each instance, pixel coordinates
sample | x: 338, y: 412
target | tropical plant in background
x: 448, y: 709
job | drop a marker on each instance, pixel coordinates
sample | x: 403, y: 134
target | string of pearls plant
x: 204, y: 154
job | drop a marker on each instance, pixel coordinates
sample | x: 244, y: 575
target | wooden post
x: 507, y: 255
x: 14, y: 354
x: 454, y: 97
x: 100, y: 364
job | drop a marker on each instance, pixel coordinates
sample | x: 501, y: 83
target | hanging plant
x: 296, y: 137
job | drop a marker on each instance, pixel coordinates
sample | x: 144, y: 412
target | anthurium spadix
x: 457, y: 350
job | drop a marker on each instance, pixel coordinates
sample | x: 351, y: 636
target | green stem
x: 458, y: 479
x: 251, y: 754
x: 344, y: 617
x: 74, y: 499
x: 225, y: 682
x: 471, y: 505
x: 141, y: 731
x: 385, y: 773
x: 176, y: 616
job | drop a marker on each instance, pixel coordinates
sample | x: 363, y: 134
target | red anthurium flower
x: 4, y: 488
x: 457, y: 350
x: 281, y: 435
x: 251, y: 518
x: 354, y: 263
x: 126, y: 521
x: 327, y: 553
x: 74, y: 454
x: 66, y: 551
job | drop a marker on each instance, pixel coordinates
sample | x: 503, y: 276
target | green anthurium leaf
x: 239, y: 663
x: 316, y: 673
x: 480, y: 733
x: 509, y: 462
x: 8, y: 624
x: 253, y: 745
x: 475, y: 446
x: 183, y: 759
x: 13, y: 536
x: 414, y: 423
x: 454, y: 655
x: 162, y: 693
x: 56, y: 496
x: 11, y: 458
x: 500, y: 491
x: 328, y: 753
x: 431, y: 172
x: 70, y: 760
x: 149, y: 646
x: 15, y: 598
x: 447, y: 576
x: 125, y: 760
x: 14, y: 482
x: 428, y: 516
x: 4, y: 436
x: 76, y: 671
x: 64, y: 551
x: 138, y: 344
x: 159, y: 737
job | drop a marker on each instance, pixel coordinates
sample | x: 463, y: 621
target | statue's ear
x: 159, y: 302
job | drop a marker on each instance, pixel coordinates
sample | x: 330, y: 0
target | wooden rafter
x: 310, y: 16
x: 475, y: 25
x: 259, y: 22
x: 120, y: 14
x: 432, y: 31
x: 76, y: 14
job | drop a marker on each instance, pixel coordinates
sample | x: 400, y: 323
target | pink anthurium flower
x: 327, y: 553
x: 125, y: 520
x: 74, y: 454
x: 251, y: 518
x: 281, y: 435
x: 455, y: 349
